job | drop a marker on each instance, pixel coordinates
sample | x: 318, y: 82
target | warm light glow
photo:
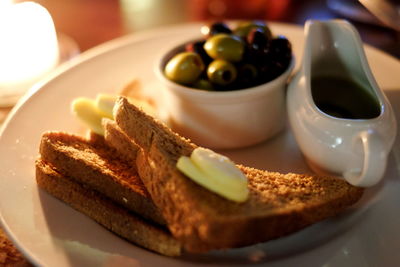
x: 136, y: 5
x: 5, y: 2
x: 134, y: 13
x: 28, y: 47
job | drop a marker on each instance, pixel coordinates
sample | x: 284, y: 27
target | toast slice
x: 117, y: 139
x: 105, y: 212
x: 97, y: 166
x: 279, y: 204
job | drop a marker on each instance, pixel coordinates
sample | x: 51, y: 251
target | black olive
x: 257, y: 40
x: 215, y: 28
x: 198, y: 47
x: 247, y: 75
x: 269, y: 70
x: 243, y: 28
x: 281, y: 47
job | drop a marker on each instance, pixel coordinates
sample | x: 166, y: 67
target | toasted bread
x: 117, y: 139
x: 97, y: 166
x: 279, y: 204
x: 105, y: 212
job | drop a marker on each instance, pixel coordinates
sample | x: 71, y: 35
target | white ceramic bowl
x: 224, y: 119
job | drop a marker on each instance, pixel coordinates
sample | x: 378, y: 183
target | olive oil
x: 343, y: 98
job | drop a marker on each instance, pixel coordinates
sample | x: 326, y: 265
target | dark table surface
x: 92, y: 22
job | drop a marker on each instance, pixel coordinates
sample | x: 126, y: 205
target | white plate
x: 51, y: 233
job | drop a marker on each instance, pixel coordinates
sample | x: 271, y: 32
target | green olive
x: 221, y: 72
x: 225, y: 46
x: 184, y: 68
x: 244, y: 28
x: 203, y: 84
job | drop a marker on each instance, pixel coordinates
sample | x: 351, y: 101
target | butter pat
x: 92, y: 111
x: 86, y: 110
x: 106, y: 104
x: 215, y: 172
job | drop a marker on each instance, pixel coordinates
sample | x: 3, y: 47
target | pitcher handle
x: 375, y: 159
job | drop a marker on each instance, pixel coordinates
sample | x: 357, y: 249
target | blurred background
x: 91, y: 22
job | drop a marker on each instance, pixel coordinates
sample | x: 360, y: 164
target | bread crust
x: 117, y: 139
x: 105, y: 212
x: 97, y: 166
x: 279, y: 204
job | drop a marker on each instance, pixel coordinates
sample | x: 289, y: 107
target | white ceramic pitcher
x: 355, y: 147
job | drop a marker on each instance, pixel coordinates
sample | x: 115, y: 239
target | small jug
x: 341, y: 119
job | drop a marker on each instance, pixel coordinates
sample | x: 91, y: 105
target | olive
x: 247, y: 74
x: 281, y: 51
x: 215, y: 28
x: 203, y: 84
x: 244, y: 28
x: 269, y: 70
x: 225, y: 46
x: 184, y: 68
x: 198, y: 47
x: 281, y: 47
x: 258, y: 41
x: 221, y: 72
